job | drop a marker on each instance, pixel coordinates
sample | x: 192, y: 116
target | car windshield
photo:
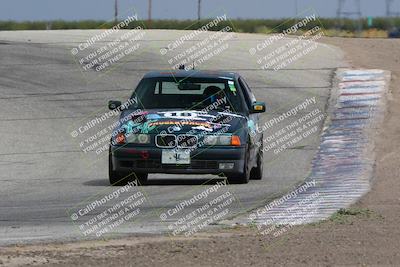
x: 187, y: 93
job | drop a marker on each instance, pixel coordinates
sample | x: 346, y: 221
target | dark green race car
x: 188, y: 122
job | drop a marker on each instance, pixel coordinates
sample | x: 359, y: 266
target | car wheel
x: 115, y: 178
x: 118, y: 178
x: 141, y: 177
x: 244, y: 177
x: 257, y: 172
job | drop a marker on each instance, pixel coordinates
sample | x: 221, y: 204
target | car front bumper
x: 202, y: 160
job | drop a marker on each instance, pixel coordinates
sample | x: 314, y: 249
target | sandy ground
x: 369, y: 235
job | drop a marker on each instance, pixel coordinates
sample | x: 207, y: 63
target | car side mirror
x: 113, y: 104
x: 258, y: 107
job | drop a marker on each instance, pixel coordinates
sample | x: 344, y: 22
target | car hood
x: 181, y: 121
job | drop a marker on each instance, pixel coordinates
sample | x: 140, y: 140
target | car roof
x: 192, y: 73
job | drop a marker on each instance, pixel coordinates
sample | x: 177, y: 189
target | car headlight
x: 219, y: 140
x: 138, y: 139
x: 120, y: 139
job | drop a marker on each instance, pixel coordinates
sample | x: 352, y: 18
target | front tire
x: 141, y: 177
x: 244, y: 177
x: 115, y: 178
x: 120, y: 179
x: 257, y: 172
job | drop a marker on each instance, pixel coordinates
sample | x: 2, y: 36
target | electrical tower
x: 354, y: 12
x: 341, y: 12
x: 389, y: 9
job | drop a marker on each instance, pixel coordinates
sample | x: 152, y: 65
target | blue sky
x: 175, y: 9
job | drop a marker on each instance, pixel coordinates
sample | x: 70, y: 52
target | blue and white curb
x: 342, y: 169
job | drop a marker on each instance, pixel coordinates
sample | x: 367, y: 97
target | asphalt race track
x: 45, y: 94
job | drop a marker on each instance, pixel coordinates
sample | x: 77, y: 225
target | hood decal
x: 181, y: 120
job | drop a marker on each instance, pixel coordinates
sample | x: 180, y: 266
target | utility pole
x: 149, y: 13
x: 116, y: 11
x: 199, y: 10
x: 388, y: 3
x: 296, y: 8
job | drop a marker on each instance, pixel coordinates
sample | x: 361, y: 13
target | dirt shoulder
x: 369, y: 234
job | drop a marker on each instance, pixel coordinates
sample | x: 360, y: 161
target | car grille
x: 156, y: 164
x: 182, y: 140
x: 187, y: 141
x: 166, y: 140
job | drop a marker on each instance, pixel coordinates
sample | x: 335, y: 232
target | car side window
x: 252, y: 96
x: 248, y: 95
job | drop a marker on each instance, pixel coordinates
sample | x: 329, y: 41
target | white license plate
x: 175, y: 157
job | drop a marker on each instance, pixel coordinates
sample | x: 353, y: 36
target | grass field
x: 333, y: 27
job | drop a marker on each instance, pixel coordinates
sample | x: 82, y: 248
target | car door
x: 253, y: 121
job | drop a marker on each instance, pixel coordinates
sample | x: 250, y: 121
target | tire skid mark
x: 343, y: 166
